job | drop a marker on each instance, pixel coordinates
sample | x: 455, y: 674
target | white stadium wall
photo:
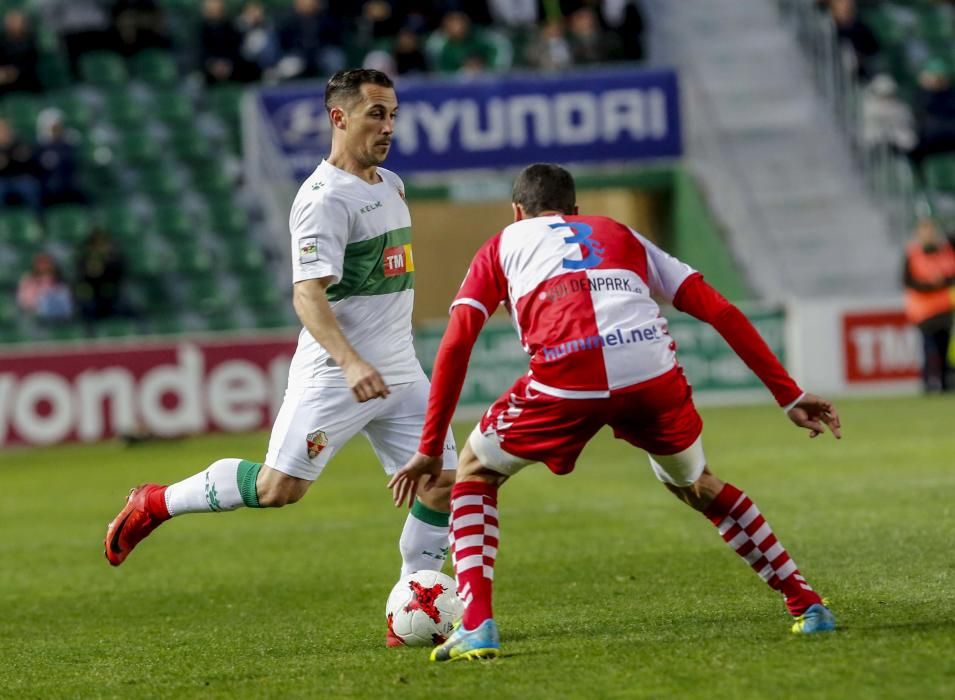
x: 853, y: 346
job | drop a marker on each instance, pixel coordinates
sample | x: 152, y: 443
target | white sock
x: 214, y: 489
x: 424, y: 539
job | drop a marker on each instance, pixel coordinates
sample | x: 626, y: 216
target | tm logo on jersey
x: 581, y: 236
x: 398, y: 260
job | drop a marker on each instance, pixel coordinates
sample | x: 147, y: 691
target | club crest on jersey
x: 316, y: 441
x: 308, y: 249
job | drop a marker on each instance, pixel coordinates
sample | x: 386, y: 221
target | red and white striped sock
x: 746, y: 531
x: 474, y: 539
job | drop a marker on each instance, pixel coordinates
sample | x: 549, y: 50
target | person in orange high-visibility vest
x: 929, y: 299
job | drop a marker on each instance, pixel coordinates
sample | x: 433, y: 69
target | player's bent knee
x: 276, y: 489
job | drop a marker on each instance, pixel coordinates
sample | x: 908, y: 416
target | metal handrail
x: 888, y: 175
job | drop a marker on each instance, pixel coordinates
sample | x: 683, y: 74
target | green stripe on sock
x: 429, y: 516
x: 246, y: 475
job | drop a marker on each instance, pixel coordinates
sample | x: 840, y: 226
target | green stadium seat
x: 155, y: 67
x: 121, y: 222
x: 124, y: 110
x: 162, y: 183
x: 940, y: 173
x: 227, y: 219
x: 245, y: 260
x: 76, y: 112
x: 20, y: 227
x: 21, y: 109
x: 210, y: 178
x: 103, y: 68
x: 67, y: 330
x: 174, y: 109
x: 138, y: 147
x: 67, y: 223
x: 192, y: 146
x: 116, y: 327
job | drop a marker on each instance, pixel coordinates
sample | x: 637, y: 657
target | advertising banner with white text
x: 496, y: 121
x: 164, y: 388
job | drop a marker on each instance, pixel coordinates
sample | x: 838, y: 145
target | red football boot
x: 134, y: 522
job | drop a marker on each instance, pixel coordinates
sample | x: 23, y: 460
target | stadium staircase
x: 776, y: 169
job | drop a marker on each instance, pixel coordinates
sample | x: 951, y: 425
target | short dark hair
x: 545, y: 187
x: 346, y: 84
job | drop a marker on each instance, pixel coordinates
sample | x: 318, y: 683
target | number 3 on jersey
x: 581, y: 236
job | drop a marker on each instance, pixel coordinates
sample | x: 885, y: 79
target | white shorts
x: 315, y: 422
x: 681, y: 469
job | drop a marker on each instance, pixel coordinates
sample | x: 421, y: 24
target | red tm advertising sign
x: 167, y: 388
x: 880, y: 346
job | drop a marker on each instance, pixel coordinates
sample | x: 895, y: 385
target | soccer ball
x: 422, y: 608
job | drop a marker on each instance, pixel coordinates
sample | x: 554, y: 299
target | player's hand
x: 814, y: 413
x: 404, y: 484
x: 365, y: 381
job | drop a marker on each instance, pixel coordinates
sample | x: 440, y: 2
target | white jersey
x: 359, y: 234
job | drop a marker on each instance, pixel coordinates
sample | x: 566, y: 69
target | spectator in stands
x: 456, y: 42
x: 100, y: 272
x: 935, y: 110
x: 381, y: 61
x: 929, y: 280
x: 549, y: 49
x: 260, y: 41
x: 857, y: 35
x: 477, y: 11
x: 139, y: 25
x: 82, y: 25
x: 409, y: 58
x: 220, y: 54
x: 18, y: 55
x: 376, y: 25
x: 312, y: 42
x: 56, y: 160
x: 589, y: 42
x: 515, y: 14
x: 42, y: 293
x: 886, y: 120
x: 18, y: 183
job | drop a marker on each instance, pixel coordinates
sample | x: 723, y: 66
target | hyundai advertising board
x: 499, y: 121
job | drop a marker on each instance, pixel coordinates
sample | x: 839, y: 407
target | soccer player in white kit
x: 580, y: 290
x: 355, y: 369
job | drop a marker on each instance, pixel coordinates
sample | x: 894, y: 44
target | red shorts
x: 657, y: 416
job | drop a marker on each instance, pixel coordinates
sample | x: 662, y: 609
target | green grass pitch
x: 608, y: 587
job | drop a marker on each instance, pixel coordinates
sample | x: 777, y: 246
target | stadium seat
x: 103, y: 69
x: 940, y: 173
x: 138, y: 147
x: 20, y: 227
x: 121, y: 222
x: 191, y: 146
x: 115, y: 327
x: 67, y: 223
x: 21, y: 110
x: 173, y: 108
x: 125, y: 110
x: 155, y: 67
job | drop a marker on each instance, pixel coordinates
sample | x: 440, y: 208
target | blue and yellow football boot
x: 480, y: 643
x: 817, y: 618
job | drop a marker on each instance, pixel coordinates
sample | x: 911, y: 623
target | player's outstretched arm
x: 814, y: 413
x: 311, y: 305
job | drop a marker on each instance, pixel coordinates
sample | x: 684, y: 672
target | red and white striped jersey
x: 579, y: 292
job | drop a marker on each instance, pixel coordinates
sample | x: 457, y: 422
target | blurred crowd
x: 918, y: 122
x: 229, y: 42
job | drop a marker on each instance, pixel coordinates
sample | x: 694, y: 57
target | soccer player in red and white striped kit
x: 578, y: 289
